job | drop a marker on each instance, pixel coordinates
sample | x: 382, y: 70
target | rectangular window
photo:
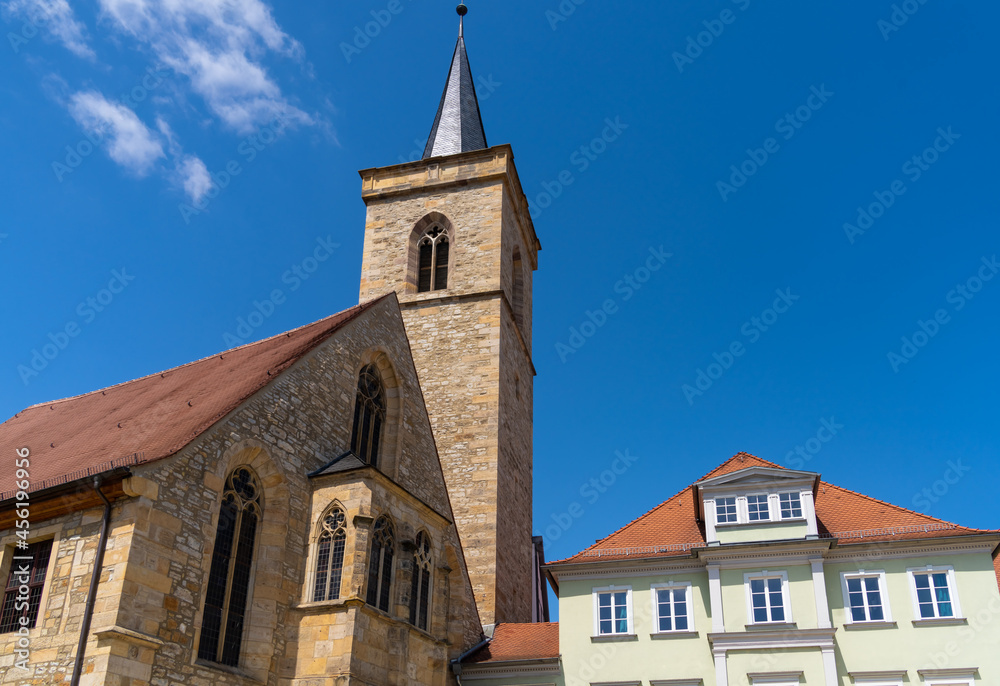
x: 934, y: 594
x: 725, y: 510
x: 791, y: 505
x: 613, y: 612
x: 27, y: 570
x: 767, y: 601
x: 757, y: 508
x: 865, y: 597
x: 673, y: 608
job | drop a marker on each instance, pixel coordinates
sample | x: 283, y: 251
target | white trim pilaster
x: 715, y: 595
x: 721, y: 670
x: 830, y: 667
x: 809, y: 512
x: 711, y: 515
x: 819, y: 590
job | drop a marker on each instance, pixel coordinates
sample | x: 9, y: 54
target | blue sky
x: 816, y: 182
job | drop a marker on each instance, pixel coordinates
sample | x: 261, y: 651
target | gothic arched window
x: 330, y: 555
x: 229, y: 578
x: 517, y: 286
x: 420, y: 588
x: 369, y: 415
x: 380, y: 564
x: 433, y: 267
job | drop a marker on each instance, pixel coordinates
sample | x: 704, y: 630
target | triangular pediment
x: 758, y: 475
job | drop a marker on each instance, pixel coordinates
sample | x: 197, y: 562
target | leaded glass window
x: 369, y: 415
x: 27, y: 571
x: 420, y: 586
x: 330, y: 556
x: 229, y: 578
x: 433, y: 258
x: 380, y: 564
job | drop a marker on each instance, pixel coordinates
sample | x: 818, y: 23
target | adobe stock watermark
x: 696, y: 45
x: 581, y: 159
x: 954, y: 472
x: 958, y: 297
x: 293, y: 277
x: 485, y: 87
x: 364, y: 34
x: 900, y: 14
x: 591, y: 491
x: 798, y: 456
x: 626, y: 287
x: 752, y: 329
x: 787, y: 126
x: 248, y: 149
x: 913, y: 169
x: 86, y: 312
x: 76, y: 153
x: 563, y: 11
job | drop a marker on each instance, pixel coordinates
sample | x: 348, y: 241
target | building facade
x: 758, y: 574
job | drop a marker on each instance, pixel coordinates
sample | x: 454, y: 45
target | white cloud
x: 56, y: 18
x: 218, y: 45
x: 189, y: 170
x: 194, y: 177
x: 130, y: 143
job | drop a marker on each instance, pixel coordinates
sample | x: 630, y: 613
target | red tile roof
x: 519, y: 642
x: 671, y: 528
x: 153, y: 417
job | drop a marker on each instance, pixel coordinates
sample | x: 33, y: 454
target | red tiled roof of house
x: 152, y: 417
x: 519, y: 642
x: 671, y: 528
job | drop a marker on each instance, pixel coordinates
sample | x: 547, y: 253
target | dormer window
x: 725, y: 509
x: 791, y: 505
x: 757, y: 510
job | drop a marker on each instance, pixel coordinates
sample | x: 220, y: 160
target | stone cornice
x: 512, y: 668
x: 120, y: 633
x: 771, y: 640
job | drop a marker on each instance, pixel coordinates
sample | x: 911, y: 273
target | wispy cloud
x: 57, y: 19
x: 190, y: 172
x: 218, y: 45
x: 129, y: 142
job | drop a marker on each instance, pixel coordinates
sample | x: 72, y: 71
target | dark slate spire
x: 458, y: 126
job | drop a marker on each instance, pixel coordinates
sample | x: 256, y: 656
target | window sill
x: 612, y: 638
x: 771, y: 626
x: 863, y: 626
x: 673, y: 634
x: 218, y: 667
x: 736, y: 525
x: 940, y: 621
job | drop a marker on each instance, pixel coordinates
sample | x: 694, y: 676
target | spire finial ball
x: 462, y: 10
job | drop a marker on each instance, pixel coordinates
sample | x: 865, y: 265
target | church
x: 345, y: 503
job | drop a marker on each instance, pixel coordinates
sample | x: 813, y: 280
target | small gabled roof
x: 153, y: 417
x: 514, y: 642
x: 672, y: 529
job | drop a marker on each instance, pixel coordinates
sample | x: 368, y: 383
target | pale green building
x: 760, y: 575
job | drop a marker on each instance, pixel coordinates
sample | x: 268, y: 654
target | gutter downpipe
x: 456, y: 664
x: 95, y: 578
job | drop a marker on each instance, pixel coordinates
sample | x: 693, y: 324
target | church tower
x: 451, y: 234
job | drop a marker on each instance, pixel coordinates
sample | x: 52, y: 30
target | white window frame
x: 952, y: 593
x: 786, y: 601
x: 629, y: 615
x: 882, y: 591
x: 802, y: 507
x: 767, y: 504
x: 949, y: 681
x: 672, y: 586
x: 877, y: 682
x: 735, y: 500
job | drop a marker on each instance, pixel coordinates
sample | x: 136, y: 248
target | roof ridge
x: 740, y: 454
x: 898, y: 507
x: 357, y: 310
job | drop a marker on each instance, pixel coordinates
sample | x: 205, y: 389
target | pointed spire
x: 458, y: 126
